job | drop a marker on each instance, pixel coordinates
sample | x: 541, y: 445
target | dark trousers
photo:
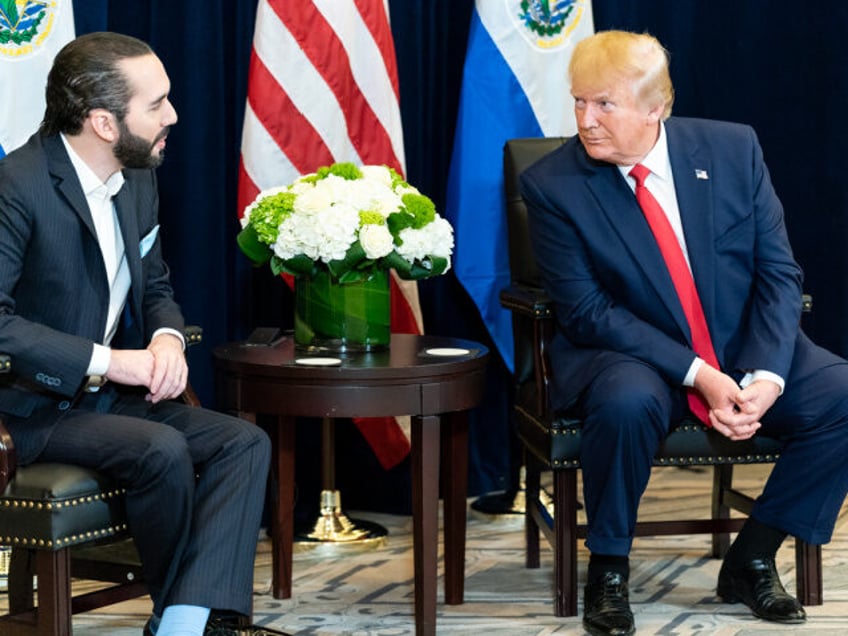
x: 629, y: 408
x: 195, y: 483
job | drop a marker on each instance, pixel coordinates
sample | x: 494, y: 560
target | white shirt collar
x: 91, y: 184
x: 656, y: 160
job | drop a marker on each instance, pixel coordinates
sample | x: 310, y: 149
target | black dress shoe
x: 757, y: 585
x: 230, y: 626
x: 606, y: 606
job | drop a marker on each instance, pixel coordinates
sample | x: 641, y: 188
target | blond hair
x: 615, y: 56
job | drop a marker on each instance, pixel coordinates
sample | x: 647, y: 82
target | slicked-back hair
x: 85, y: 75
x: 609, y: 57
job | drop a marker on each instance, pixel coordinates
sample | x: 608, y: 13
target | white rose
x: 380, y: 174
x: 376, y: 240
x: 314, y: 200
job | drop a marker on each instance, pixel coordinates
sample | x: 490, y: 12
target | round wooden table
x: 434, y: 380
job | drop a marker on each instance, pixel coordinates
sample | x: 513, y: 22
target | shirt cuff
x: 101, y: 356
x: 762, y: 374
x: 689, y: 380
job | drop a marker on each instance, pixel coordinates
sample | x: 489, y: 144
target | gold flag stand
x: 333, y: 527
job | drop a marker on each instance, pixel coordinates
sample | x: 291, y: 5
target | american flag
x: 323, y: 88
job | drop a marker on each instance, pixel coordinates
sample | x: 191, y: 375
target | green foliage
x: 249, y: 243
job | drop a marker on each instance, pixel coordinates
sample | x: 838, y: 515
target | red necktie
x: 681, y: 276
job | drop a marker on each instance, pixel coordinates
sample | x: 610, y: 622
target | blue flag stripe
x: 493, y: 108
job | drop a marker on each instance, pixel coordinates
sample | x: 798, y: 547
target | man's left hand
x: 170, y: 371
x: 749, y: 406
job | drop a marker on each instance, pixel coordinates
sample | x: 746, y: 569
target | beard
x: 137, y: 152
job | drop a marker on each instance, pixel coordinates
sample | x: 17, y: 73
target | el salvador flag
x: 31, y: 33
x: 515, y: 84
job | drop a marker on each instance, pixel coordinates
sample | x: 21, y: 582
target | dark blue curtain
x: 777, y: 65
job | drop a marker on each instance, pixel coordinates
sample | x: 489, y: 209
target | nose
x: 585, y: 117
x: 169, y: 114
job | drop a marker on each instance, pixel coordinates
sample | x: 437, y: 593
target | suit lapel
x: 66, y: 182
x: 617, y: 202
x: 692, y: 168
x: 128, y: 222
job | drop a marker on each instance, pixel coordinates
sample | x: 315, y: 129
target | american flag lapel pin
x: 701, y: 174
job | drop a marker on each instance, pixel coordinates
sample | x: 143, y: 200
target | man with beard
x: 88, y: 315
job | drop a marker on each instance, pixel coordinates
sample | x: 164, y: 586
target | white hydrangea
x: 434, y: 239
x: 324, y: 235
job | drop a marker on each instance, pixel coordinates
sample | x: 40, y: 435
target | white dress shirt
x: 99, y: 197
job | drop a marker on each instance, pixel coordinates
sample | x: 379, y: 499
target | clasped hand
x: 161, y: 368
x: 735, y: 412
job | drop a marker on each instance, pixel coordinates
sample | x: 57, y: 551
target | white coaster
x: 318, y: 362
x: 447, y: 351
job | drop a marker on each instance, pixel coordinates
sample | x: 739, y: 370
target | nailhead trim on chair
x: 63, y: 542
x: 748, y: 458
x: 58, y: 505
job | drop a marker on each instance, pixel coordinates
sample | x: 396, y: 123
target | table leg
x: 425, y: 519
x: 454, y: 490
x: 282, y: 518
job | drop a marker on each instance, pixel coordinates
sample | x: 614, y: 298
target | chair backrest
x: 520, y: 154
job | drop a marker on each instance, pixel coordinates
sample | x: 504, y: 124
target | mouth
x: 591, y: 140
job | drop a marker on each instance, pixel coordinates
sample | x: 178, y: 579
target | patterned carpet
x: 368, y: 592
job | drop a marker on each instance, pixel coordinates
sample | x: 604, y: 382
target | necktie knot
x: 639, y: 173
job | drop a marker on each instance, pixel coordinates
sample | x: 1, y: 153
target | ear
x: 655, y: 114
x: 104, y: 124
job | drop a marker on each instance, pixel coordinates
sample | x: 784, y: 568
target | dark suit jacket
x: 53, y: 289
x: 601, y: 265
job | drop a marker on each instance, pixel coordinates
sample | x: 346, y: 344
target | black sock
x: 600, y: 564
x: 755, y: 540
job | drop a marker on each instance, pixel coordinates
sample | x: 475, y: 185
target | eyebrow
x: 159, y: 99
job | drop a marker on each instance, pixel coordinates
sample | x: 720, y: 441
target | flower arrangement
x: 349, y: 221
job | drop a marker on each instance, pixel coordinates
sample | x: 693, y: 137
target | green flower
x: 369, y: 217
x: 269, y: 212
x: 347, y: 171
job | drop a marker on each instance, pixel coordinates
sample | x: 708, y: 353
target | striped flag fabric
x: 323, y: 88
x: 31, y: 33
x: 515, y: 84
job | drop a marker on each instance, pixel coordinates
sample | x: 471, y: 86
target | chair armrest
x: 532, y: 327
x: 193, y: 335
x: 8, y: 456
x: 806, y: 303
x: 528, y: 301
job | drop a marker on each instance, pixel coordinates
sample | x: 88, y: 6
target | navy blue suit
x: 623, y: 345
x: 195, y: 479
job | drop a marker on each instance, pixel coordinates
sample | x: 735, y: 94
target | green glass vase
x: 339, y: 317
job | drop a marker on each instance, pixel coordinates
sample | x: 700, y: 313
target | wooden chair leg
x: 532, y: 486
x: 53, y: 569
x: 565, y: 551
x: 21, y: 580
x: 808, y: 570
x: 52, y: 617
x: 722, y: 481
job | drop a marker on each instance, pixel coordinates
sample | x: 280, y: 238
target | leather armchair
x: 551, y: 440
x: 62, y: 520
